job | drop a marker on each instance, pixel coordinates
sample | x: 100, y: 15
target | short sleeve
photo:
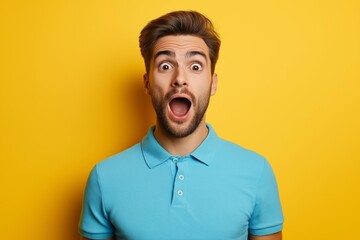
x: 267, y: 217
x: 94, y: 222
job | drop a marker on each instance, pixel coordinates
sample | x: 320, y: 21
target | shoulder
x: 240, y: 157
x: 231, y: 149
x: 121, y: 160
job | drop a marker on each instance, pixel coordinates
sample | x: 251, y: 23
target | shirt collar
x: 206, y: 151
x: 154, y: 154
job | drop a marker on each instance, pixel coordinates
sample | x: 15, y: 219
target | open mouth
x: 180, y: 106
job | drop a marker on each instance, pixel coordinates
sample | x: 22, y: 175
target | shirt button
x: 180, y: 193
x: 181, y: 177
x: 175, y: 160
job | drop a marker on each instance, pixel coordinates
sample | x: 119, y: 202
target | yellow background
x: 71, y: 95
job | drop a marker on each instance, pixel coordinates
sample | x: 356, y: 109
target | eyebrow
x: 188, y: 54
x: 194, y: 53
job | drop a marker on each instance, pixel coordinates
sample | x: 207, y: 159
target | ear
x: 146, y: 83
x: 214, y: 84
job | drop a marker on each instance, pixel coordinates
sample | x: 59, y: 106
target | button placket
x: 179, y: 191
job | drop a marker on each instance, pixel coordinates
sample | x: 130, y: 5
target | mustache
x: 184, y: 91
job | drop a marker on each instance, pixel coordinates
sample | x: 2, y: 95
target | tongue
x: 179, y: 106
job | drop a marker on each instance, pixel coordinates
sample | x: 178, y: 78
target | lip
x: 174, y: 117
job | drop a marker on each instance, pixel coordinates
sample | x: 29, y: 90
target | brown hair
x: 179, y: 23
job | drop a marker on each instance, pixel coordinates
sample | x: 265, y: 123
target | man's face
x: 180, y: 83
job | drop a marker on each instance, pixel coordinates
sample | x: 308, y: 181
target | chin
x: 183, y: 129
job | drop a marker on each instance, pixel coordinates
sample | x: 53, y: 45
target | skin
x: 275, y: 236
x: 178, y: 63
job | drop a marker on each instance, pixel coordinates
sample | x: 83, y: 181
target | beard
x: 180, y: 130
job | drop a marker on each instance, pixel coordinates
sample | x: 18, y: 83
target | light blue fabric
x: 220, y: 191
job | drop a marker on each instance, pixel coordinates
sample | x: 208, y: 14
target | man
x: 182, y: 181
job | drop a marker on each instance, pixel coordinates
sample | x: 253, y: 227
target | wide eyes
x: 196, y: 67
x: 166, y: 66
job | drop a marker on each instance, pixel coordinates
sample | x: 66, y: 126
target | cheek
x: 202, y: 86
x: 157, y: 91
x: 161, y: 81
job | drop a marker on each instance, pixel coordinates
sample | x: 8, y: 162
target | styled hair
x: 179, y: 23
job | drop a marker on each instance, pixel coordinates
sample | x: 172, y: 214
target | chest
x: 182, y: 201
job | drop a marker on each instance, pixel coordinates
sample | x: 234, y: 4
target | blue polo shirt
x: 220, y: 191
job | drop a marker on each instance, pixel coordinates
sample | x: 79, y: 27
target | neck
x: 181, y: 146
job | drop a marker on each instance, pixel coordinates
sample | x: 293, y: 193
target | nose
x: 180, y: 79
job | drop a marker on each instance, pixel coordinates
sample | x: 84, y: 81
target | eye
x: 165, y: 66
x: 196, y: 67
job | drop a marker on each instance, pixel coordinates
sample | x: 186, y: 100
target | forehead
x: 181, y: 44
